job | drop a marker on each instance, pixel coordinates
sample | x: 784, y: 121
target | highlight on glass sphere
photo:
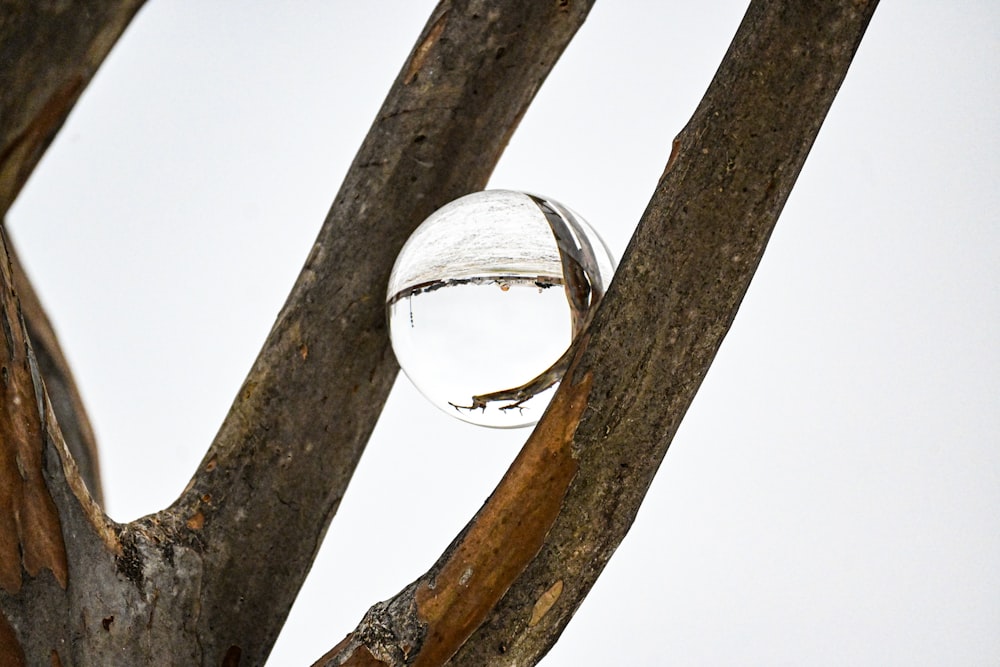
x: 485, y: 299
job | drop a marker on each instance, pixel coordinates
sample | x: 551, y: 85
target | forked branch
x: 286, y: 452
x: 570, y: 497
x: 203, y: 581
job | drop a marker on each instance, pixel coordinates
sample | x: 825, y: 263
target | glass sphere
x: 486, y: 297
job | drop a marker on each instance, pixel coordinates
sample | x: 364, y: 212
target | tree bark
x: 48, y: 54
x: 57, y: 549
x: 66, y: 401
x: 502, y: 593
x: 205, y: 582
x: 210, y: 580
x: 49, y: 51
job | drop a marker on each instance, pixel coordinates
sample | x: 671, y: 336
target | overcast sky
x: 833, y: 495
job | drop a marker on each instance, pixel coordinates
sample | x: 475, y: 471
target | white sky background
x: 833, y: 496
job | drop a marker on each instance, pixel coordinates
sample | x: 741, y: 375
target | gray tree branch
x: 210, y: 580
x: 283, y: 458
x: 59, y: 383
x: 48, y: 54
x: 58, y: 552
x: 502, y: 593
x: 49, y: 51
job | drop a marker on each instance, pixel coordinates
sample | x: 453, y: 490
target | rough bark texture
x: 201, y: 582
x: 57, y: 551
x: 286, y: 452
x: 641, y: 363
x: 48, y: 53
x: 59, y: 383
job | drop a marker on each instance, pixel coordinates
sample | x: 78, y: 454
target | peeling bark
x: 48, y: 54
x: 30, y: 534
x: 54, y: 539
x: 506, y: 534
x: 201, y: 582
x: 58, y: 380
x: 680, y: 284
x: 11, y: 653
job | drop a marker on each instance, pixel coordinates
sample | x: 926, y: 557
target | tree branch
x: 48, y: 54
x: 51, y: 530
x: 49, y: 51
x: 204, y: 577
x: 66, y: 402
x: 570, y: 497
x: 257, y: 508
x: 213, y: 576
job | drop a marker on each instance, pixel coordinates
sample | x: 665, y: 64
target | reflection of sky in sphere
x: 456, y: 340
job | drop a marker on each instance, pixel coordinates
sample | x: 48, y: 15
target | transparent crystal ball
x: 485, y: 299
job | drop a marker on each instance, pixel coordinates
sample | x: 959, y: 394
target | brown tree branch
x: 66, y: 402
x: 75, y: 588
x: 206, y: 580
x: 257, y: 508
x: 48, y: 54
x: 52, y: 533
x: 504, y: 590
x: 49, y: 51
x: 211, y: 579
